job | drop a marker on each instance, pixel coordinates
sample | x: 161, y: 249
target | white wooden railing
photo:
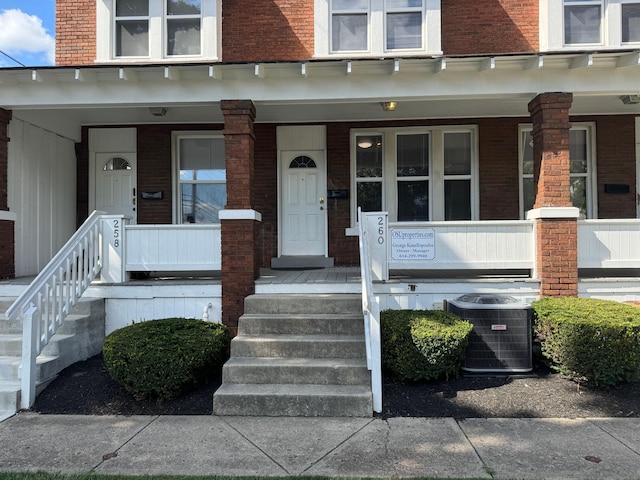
x: 371, y: 311
x: 51, y: 296
x: 482, y: 245
x: 185, y: 247
x: 609, y: 243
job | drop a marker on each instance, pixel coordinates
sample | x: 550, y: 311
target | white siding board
x: 42, y: 193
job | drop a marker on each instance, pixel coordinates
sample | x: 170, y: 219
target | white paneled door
x: 304, y: 203
x: 116, y: 184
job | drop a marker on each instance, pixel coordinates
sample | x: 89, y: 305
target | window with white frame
x: 376, y: 27
x: 153, y: 30
x: 582, y: 166
x: 416, y: 174
x: 201, y: 177
x: 579, y: 24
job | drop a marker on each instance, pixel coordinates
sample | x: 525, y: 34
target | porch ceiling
x: 63, y: 98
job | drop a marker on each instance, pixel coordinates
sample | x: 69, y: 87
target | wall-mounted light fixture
x: 389, y: 106
x: 630, y: 99
x: 158, y: 111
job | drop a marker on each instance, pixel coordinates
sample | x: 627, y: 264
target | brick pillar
x: 7, y: 219
x: 239, y: 221
x: 555, y: 216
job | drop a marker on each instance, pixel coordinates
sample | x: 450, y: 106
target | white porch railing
x: 51, y: 296
x: 172, y: 248
x: 371, y: 311
x: 482, y: 245
x: 609, y: 243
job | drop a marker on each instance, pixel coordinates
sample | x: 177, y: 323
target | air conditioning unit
x: 501, y: 337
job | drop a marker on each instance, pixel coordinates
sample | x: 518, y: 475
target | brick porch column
x: 555, y: 216
x: 7, y: 219
x: 239, y: 222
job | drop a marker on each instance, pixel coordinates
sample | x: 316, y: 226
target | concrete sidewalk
x: 341, y: 447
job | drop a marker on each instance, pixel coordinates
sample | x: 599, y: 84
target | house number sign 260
x: 381, y: 232
x: 116, y: 233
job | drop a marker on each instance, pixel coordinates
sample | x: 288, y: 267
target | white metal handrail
x: 52, y: 294
x: 371, y: 311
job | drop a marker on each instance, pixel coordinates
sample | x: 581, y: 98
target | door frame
x: 318, y: 154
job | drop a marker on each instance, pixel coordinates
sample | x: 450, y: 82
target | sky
x: 27, y: 32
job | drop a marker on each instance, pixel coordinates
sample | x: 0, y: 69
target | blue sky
x: 27, y: 31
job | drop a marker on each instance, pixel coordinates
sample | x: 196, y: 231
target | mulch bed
x: 85, y: 388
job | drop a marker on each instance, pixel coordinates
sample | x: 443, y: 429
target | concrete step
x: 46, y: 367
x: 300, y: 346
x: 293, y: 400
x: 331, y: 324
x: 9, y: 396
x: 320, y: 371
x: 11, y: 344
x: 303, y: 303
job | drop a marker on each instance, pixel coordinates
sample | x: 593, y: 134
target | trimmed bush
x: 162, y: 359
x: 420, y: 345
x: 589, y: 340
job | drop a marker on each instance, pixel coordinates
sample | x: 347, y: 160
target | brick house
x: 277, y: 119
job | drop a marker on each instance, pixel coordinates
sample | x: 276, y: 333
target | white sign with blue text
x: 413, y: 244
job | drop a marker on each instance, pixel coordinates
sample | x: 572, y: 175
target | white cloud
x: 22, y: 34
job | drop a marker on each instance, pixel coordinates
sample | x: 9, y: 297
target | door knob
x: 321, y: 200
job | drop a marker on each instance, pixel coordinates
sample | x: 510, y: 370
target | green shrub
x: 162, y: 359
x: 420, y: 345
x: 589, y: 340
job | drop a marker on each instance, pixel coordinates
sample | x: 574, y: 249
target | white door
x: 116, y: 184
x: 304, y: 203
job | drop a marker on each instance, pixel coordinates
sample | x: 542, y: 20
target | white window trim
x: 436, y: 168
x: 377, y: 32
x: 210, y: 34
x: 592, y: 174
x: 176, y: 217
x: 552, y: 27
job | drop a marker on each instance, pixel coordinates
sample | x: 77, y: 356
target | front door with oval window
x: 303, y: 203
x: 116, y: 184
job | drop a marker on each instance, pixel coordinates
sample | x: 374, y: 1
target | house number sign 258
x: 116, y: 233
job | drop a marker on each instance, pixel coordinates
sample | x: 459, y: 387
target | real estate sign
x: 413, y: 244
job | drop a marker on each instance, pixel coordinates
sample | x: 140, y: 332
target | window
x: 152, y: 30
x: 116, y: 163
x: 376, y: 27
x: 416, y: 174
x: 576, y: 24
x: 201, y: 183
x: 582, y: 163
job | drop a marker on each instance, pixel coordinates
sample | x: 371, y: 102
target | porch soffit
x: 336, y: 90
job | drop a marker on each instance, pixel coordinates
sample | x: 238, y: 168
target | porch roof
x: 64, y: 98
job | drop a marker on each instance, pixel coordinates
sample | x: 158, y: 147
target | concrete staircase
x: 297, y: 355
x: 79, y: 337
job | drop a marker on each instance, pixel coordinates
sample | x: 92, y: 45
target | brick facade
x: 75, y: 32
x: 283, y: 30
x: 279, y: 30
x: 7, y: 231
x: 471, y: 28
x: 556, y: 238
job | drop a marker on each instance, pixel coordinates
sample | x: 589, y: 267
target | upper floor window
x: 153, y: 30
x: 376, y: 27
x: 576, y: 24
